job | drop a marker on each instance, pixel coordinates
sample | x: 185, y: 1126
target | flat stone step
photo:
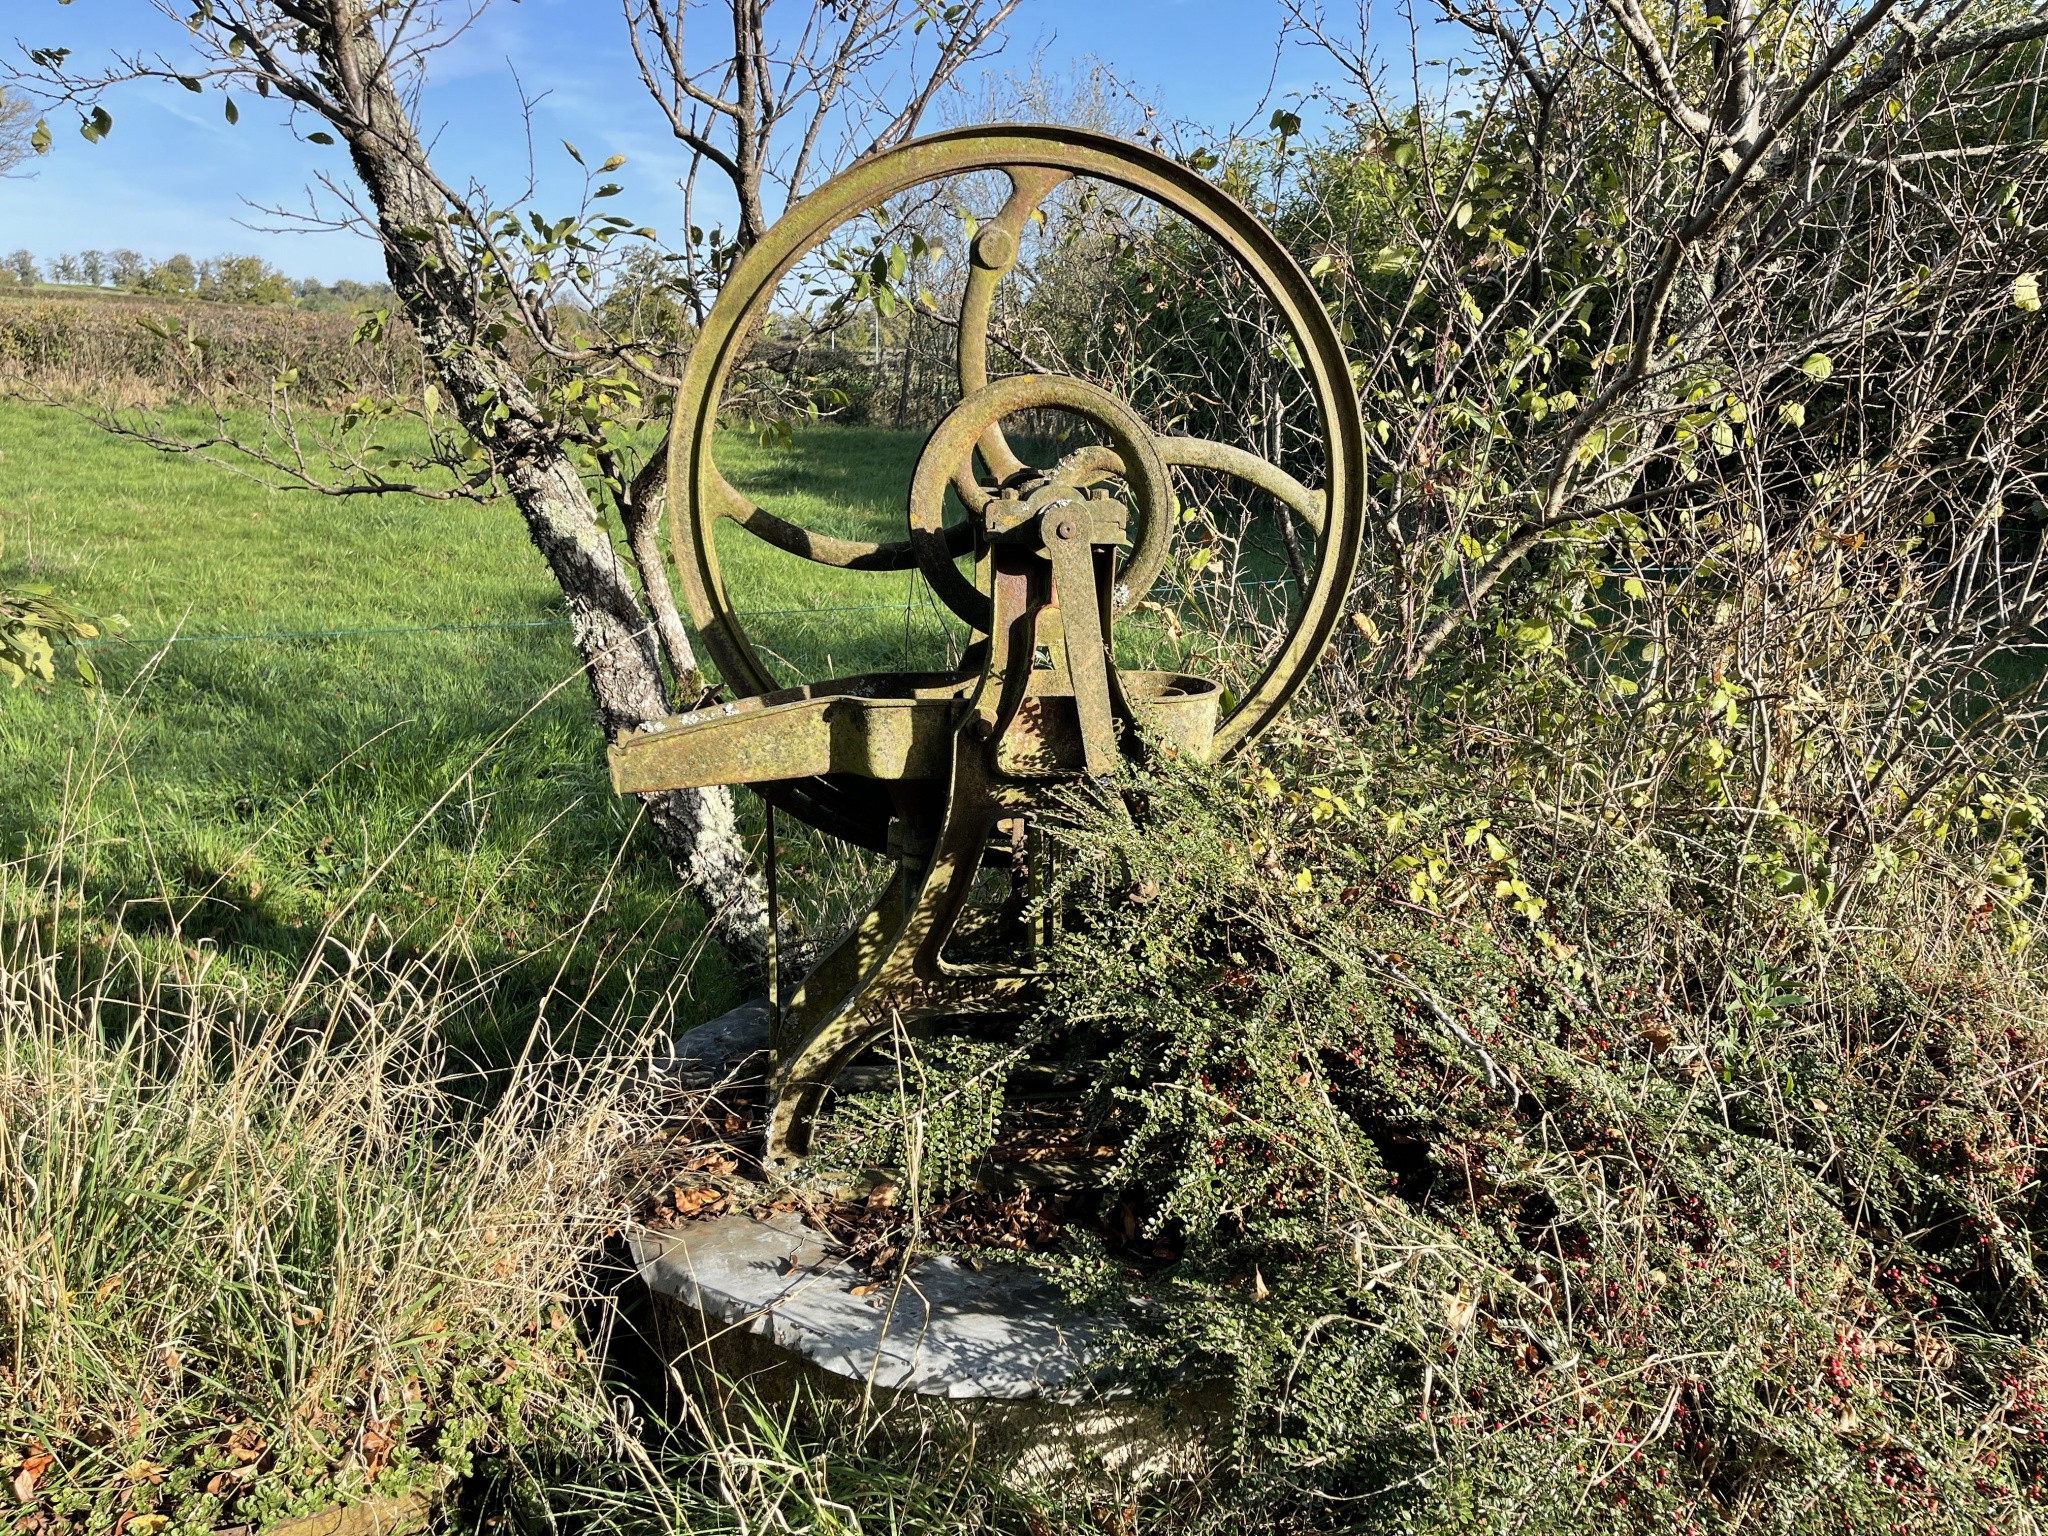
x: 767, y: 1300
x: 943, y: 1330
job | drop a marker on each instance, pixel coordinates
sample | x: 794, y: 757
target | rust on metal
x: 946, y: 772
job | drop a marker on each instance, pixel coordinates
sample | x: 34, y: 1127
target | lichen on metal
x: 946, y: 771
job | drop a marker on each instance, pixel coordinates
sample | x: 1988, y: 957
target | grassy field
x: 353, y: 731
x: 306, y: 680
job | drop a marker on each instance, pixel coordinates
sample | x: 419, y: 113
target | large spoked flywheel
x: 972, y: 454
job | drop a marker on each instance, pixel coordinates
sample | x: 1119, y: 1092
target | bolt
x: 980, y: 728
x: 994, y: 248
x: 1067, y: 528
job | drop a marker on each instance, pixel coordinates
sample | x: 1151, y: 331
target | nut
x: 994, y: 248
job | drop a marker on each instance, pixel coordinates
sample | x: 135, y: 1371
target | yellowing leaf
x: 1819, y: 366
x: 1460, y: 1307
x: 2026, y: 291
x: 1304, y: 881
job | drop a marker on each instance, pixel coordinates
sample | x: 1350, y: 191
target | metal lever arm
x: 1070, y: 546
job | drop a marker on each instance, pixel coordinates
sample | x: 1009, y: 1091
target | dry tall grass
x: 259, y: 1255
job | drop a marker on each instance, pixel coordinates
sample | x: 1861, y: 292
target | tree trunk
x: 431, y: 274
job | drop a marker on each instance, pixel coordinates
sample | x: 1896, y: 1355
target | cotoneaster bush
x: 1559, y: 1190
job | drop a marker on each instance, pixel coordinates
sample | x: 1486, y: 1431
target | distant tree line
x: 224, y: 279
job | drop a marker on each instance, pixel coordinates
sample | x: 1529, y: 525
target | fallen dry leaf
x: 245, y: 1443
x: 37, y: 1462
x: 689, y: 1202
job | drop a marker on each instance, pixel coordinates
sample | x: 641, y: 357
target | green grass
x: 371, y: 707
x: 243, y: 922
x: 275, y: 724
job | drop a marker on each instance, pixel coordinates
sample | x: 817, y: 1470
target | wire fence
x: 560, y: 621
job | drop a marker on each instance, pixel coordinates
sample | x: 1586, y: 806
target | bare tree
x: 1704, y: 363
x: 17, y: 131
x: 775, y: 116
x: 543, y: 409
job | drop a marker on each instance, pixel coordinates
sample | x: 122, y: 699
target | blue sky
x: 173, y: 175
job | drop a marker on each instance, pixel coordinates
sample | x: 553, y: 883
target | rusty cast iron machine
x: 945, y: 772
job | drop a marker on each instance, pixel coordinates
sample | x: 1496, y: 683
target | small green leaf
x: 573, y: 154
x: 39, y: 141
x: 321, y: 138
x: 234, y: 114
x: 611, y: 165
x: 2026, y: 292
x: 1792, y: 413
x: 1818, y: 367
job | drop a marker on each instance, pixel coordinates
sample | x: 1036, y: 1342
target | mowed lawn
x: 311, y: 687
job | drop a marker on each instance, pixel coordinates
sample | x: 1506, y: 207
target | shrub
x: 130, y: 349
x: 1566, y: 1192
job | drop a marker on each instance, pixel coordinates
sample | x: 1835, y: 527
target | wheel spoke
x: 1201, y: 453
x: 993, y: 256
x: 823, y: 548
